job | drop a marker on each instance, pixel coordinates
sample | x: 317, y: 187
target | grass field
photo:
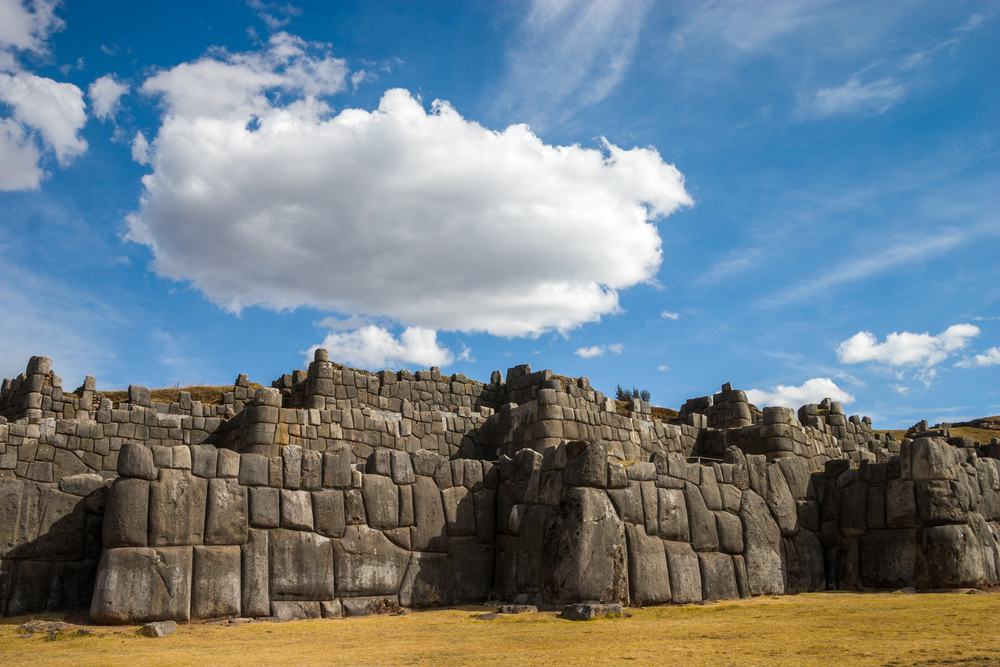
x: 808, y: 629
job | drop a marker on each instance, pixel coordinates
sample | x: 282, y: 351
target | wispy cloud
x: 990, y: 358
x: 667, y: 315
x: 974, y: 21
x: 568, y: 56
x: 854, y: 97
x: 865, y: 267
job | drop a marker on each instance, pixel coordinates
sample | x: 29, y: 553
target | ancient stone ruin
x: 342, y: 492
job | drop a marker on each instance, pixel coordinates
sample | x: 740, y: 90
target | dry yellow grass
x: 207, y: 394
x: 813, y: 629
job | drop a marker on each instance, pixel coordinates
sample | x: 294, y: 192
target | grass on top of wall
x: 207, y: 394
x: 803, y: 630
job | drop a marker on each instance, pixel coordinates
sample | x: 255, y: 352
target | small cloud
x: 590, y: 352
x: 112, y: 50
x: 810, y: 391
x: 667, y: 315
x: 850, y: 378
x: 991, y: 358
x: 375, y: 347
x: 140, y: 149
x: 663, y: 368
x: 105, y: 94
x: 66, y: 69
x: 617, y: 348
x: 900, y: 389
x: 123, y: 260
x: 971, y: 24
x: 906, y: 349
x: 855, y: 97
x: 358, y: 77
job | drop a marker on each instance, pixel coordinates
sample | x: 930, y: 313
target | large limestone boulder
x: 649, y: 581
x: 888, y: 558
x: 685, y: 572
x: 585, y: 550
x: 140, y: 584
x: 367, y: 564
x: 216, y: 582
x: 762, y: 546
x: 301, y: 566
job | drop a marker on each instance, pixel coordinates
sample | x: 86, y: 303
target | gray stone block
x: 589, y: 468
x: 230, y: 464
x: 205, y: 461
x: 177, y: 509
x: 140, y: 584
x: 761, y: 546
x: 265, y: 507
x: 429, y: 581
x: 381, y: 498
x: 255, y: 580
x: 803, y: 557
x: 158, y: 629
x: 296, y: 510
x: 781, y: 502
x: 685, y: 572
x: 283, y: 611
x: 337, y: 472
x: 80, y: 485
x: 368, y: 564
x: 950, y: 557
x: 718, y: 578
x: 459, y: 511
x: 730, y: 530
x: 328, y: 512
x: 672, y: 515
x: 135, y: 460
x: 701, y: 521
x: 215, y: 590
x: 301, y: 566
x: 584, y: 611
x: 226, y: 512
x: 127, y: 513
x: 429, y: 530
x: 253, y: 469
x: 584, y: 550
x: 649, y: 580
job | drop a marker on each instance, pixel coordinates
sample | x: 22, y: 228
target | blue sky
x: 797, y: 197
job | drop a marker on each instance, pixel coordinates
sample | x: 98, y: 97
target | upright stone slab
x: 226, y: 512
x: 584, y: 550
x: 429, y: 532
x: 685, y: 572
x: 762, y: 546
x: 255, y: 580
x: 428, y: 581
x: 718, y: 578
x: 127, y: 513
x: 648, y: 578
x: 216, y: 582
x: 177, y: 509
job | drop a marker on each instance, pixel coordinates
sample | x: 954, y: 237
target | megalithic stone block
x: 140, y: 584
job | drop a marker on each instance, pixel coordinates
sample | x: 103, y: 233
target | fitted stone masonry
x: 341, y: 492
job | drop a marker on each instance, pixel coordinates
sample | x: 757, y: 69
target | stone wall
x: 338, y: 491
x: 212, y: 533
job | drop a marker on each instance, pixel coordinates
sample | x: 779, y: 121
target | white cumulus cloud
x: 140, y: 149
x: 667, y: 315
x: 422, y: 217
x: 906, y: 349
x: 990, y: 358
x: 25, y: 26
x: 374, y: 347
x: 46, y: 115
x: 104, y: 96
x: 810, y: 391
x: 590, y: 352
